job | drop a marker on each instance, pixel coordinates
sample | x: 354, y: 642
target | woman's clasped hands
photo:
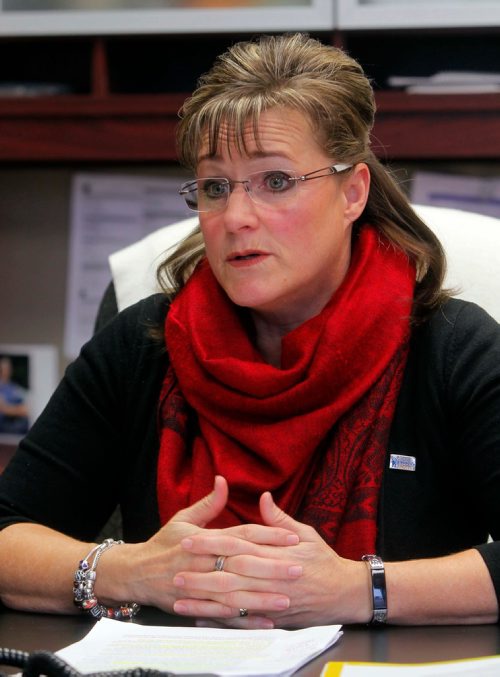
x: 278, y: 574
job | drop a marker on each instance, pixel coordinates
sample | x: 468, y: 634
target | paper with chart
x: 108, y: 213
x: 480, y: 194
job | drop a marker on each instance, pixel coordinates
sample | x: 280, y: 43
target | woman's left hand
x: 322, y: 587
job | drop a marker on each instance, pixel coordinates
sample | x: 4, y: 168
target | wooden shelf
x: 141, y: 128
x: 88, y: 128
x: 435, y: 126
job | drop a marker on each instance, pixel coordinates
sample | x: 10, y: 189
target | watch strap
x: 379, y: 588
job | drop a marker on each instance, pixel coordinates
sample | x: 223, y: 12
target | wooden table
x: 29, y: 632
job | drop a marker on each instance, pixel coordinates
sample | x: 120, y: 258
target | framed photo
x: 98, y: 17
x: 28, y: 377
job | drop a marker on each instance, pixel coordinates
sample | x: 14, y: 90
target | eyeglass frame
x: 184, y: 189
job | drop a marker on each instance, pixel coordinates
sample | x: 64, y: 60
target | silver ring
x: 243, y: 613
x: 219, y: 563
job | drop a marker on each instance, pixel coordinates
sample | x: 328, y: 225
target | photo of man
x: 14, y: 411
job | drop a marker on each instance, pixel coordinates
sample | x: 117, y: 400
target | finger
x: 239, y: 599
x: 264, y: 535
x: 274, y: 516
x: 260, y: 567
x: 202, y: 607
x: 239, y: 540
x: 206, y: 509
x: 249, y: 623
x: 218, y: 583
x: 200, y: 563
x: 250, y: 566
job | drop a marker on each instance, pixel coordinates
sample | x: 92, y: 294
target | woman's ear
x: 356, y: 187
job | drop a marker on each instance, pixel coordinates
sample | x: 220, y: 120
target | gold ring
x: 219, y: 563
x: 243, y: 613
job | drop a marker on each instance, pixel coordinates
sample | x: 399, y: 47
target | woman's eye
x: 277, y: 182
x: 214, y: 189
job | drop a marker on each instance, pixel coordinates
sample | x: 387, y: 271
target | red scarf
x: 314, y: 432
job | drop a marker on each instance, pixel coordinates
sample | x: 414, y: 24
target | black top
x: 96, y: 444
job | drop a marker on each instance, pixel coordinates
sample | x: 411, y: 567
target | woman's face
x: 283, y: 261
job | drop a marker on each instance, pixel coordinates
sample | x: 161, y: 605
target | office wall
x: 33, y: 236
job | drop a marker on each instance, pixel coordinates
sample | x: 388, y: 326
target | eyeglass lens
x: 212, y: 193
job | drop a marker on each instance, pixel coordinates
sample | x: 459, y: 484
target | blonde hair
x: 328, y: 87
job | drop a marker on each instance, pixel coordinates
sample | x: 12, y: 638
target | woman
x: 314, y: 366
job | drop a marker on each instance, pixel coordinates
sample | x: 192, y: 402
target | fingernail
x: 179, y: 580
x: 180, y: 608
x: 202, y: 624
x: 282, y: 603
x: 187, y: 543
x: 266, y: 624
x: 295, y: 570
x: 292, y: 539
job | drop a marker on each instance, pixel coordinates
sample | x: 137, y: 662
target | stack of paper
x: 448, y: 82
x: 113, y: 645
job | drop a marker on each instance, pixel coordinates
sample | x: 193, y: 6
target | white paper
x: 114, y: 645
x: 468, y: 193
x: 109, y: 212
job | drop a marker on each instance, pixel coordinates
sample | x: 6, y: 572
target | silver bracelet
x: 83, y: 587
x: 379, y: 589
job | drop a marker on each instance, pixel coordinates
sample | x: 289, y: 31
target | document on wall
x: 114, y: 645
x: 470, y: 193
x: 489, y: 666
x: 108, y: 213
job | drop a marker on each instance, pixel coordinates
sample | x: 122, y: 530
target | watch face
x: 379, y: 591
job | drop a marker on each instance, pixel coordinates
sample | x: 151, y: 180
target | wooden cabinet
x: 120, y: 94
x: 430, y: 126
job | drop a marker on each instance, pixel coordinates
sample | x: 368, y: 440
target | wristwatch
x: 379, y: 589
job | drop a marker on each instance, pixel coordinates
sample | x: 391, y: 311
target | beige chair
x: 472, y: 245
x: 133, y: 269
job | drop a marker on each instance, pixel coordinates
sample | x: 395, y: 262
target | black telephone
x: 46, y: 663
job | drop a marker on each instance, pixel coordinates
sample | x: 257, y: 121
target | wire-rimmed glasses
x: 271, y: 187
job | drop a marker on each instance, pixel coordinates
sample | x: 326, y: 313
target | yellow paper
x: 487, y: 666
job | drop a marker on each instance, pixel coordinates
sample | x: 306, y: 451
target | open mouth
x: 245, y: 257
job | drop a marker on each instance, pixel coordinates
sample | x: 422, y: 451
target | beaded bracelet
x: 83, y: 588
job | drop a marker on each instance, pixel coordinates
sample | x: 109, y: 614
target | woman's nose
x: 240, y: 211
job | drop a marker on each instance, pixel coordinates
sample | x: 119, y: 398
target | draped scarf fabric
x: 314, y: 431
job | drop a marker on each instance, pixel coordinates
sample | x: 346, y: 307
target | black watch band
x: 379, y: 589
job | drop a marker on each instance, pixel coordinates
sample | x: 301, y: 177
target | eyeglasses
x: 271, y: 187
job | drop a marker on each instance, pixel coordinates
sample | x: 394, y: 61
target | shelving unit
x: 430, y: 126
x: 125, y: 92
